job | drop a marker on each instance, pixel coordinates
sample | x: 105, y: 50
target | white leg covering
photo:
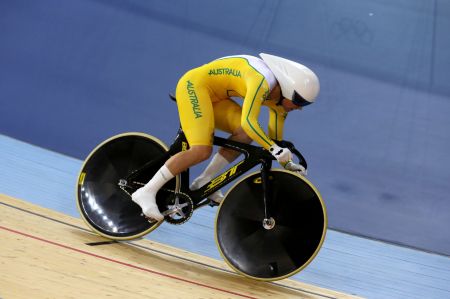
x: 217, y: 163
x: 145, y: 197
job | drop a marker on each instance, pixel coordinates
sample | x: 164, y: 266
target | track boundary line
x: 123, y: 263
x: 161, y: 252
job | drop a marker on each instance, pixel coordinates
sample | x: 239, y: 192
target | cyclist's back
x: 233, y: 76
x: 242, y: 76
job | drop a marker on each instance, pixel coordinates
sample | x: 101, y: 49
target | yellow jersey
x: 204, y: 99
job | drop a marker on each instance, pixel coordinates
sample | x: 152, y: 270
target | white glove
x: 296, y: 167
x: 283, y: 155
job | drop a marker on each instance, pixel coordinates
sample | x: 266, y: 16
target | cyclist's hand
x: 296, y: 167
x: 283, y: 155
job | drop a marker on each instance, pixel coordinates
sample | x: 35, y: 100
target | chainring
x: 179, y: 208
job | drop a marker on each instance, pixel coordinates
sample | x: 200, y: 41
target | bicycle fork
x: 268, y: 221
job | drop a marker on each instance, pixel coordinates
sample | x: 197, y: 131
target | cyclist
x: 204, y: 103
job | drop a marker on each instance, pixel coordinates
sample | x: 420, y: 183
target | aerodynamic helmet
x: 298, y: 83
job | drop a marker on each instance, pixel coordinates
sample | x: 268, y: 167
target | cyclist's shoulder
x: 243, y: 61
x: 251, y: 65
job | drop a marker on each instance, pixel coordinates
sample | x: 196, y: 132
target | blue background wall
x: 73, y: 73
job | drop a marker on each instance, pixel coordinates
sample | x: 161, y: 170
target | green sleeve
x: 257, y: 91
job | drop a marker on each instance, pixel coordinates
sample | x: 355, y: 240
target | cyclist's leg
x: 183, y: 160
x: 217, y: 163
x: 227, y: 117
x: 230, y: 122
x: 197, y: 120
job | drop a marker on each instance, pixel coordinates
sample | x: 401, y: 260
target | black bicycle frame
x: 253, y: 155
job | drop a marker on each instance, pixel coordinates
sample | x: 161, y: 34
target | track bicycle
x: 269, y: 226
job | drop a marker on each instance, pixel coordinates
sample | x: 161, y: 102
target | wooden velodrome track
x: 46, y: 254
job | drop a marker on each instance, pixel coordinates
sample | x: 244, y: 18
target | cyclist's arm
x: 257, y: 91
x: 276, y: 124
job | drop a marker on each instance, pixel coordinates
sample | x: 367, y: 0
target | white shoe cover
x: 147, y: 201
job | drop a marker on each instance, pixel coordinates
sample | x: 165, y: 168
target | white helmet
x: 298, y: 83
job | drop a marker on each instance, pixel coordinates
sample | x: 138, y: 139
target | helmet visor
x: 298, y: 100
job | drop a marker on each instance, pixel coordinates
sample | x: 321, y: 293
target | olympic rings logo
x: 352, y: 30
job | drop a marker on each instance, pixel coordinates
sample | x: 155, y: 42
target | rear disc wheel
x: 103, y: 204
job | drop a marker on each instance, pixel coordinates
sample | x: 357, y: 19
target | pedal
x: 170, y: 211
x: 150, y: 220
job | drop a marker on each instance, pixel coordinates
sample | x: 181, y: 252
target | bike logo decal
x: 194, y: 100
x: 258, y: 180
x: 81, y: 178
x: 184, y: 146
x: 226, y: 175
